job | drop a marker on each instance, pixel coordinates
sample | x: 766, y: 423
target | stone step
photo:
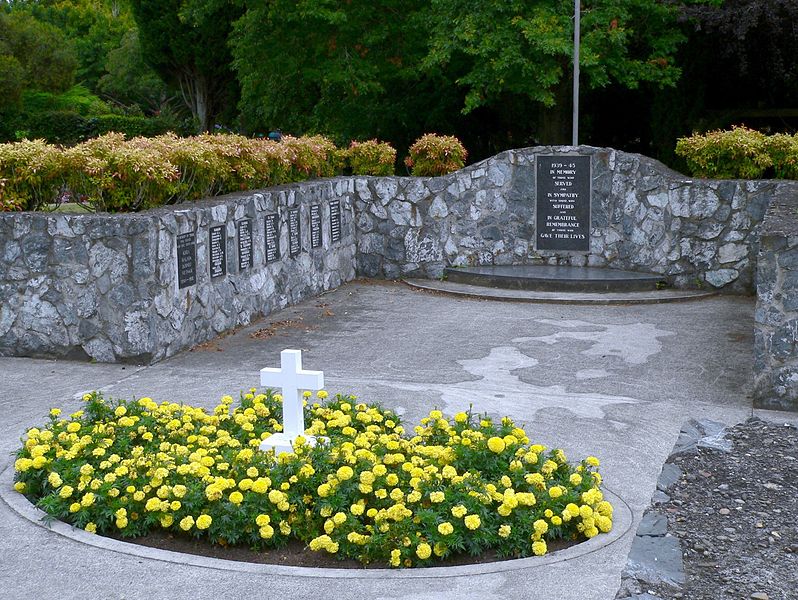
x: 603, y: 298
x: 548, y: 278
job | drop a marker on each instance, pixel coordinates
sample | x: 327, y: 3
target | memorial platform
x: 557, y: 284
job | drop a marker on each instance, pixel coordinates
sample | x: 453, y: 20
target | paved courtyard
x: 613, y: 381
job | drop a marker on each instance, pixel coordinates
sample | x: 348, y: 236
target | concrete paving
x: 613, y: 381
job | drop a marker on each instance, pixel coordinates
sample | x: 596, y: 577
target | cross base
x: 284, y: 442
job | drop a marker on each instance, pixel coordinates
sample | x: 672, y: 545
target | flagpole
x: 575, y: 128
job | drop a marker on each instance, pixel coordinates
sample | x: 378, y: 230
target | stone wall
x: 776, y: 317
x: 645, y: 217
x: 106, y: 286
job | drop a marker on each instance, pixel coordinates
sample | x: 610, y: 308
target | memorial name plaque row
x: 563, y: 203
x: 217, y: 242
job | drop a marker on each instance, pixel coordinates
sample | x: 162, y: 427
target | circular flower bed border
x: 453, y: 487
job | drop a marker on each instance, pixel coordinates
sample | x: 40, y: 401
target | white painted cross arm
x: 290, y: 379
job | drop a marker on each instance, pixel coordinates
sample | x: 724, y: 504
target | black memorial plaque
x: 271, y: 235
x: 335, y: 221
x: 244, y: 244
x: 315, y: 226
x: 563, y: 203
x: 217, y: 254
x: 186, y: 259
x: 294, y: 239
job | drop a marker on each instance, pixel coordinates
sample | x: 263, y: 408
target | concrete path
x: 613, y: 381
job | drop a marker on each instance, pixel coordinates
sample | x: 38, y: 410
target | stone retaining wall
x: 645, y: 217
x: 106, y: 287
x: 776, y: 317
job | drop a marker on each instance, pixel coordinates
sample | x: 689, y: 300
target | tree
x: 185, y: 42
x: 42, y: 58
x: 524, y: 48
x: 349, y: 70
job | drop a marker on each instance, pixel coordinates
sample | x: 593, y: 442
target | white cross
x: 290, y: 378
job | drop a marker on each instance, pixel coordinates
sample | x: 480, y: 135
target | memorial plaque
x: 271, y: 235
x: 315, y: 226
x: 217, y: 253
x: 244, y: 244
x: 186, y: 259
x: 563, y: 203
x: 294, y: 237
x: 335, y: 221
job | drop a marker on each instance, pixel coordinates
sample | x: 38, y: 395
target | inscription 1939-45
x: 186, y: 259
x: 563, y: 203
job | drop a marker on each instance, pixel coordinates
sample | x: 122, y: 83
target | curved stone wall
x: 645, y: 217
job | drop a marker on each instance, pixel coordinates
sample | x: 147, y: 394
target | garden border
x: 622, y: 524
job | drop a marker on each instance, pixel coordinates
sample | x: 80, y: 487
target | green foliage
x: 783, y: 151
x: 433, y: 155
x: 741, y: 153
x: 32, y: 173
x: 111, y: 173
x: 45, y: 57
x: 77, y: 99
x: 185, y: 42
x: 371, y: 158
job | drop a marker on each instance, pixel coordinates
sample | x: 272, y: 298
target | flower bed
x: 372, y: 493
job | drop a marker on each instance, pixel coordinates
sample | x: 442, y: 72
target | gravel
x: 733, y: 514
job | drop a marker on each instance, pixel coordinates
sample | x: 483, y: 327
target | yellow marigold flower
x: 504, y: 531
x: 91, y: 527
x: 23, y: 464
x: 54, y: 412
x: 20, y: 487
x: 540, y: 526
x: 555, y: 520
x: 396, y: 557
x: 535, y: 479
x: 54, y: 479
x: 324, y: 490
x: 423, y: 551
x: 604, y: 523
x: 572, y: 509
x: 504, y: 510
x: 380, y: 470
x: 204, y: 521
x: 445, y: 528
x: 65, y: 492
x: 585, y: 511
x: 592, y: 461
x: 437, y: 497
x: 459, y: 510
x: 187, y: 523
x: 261, y: 485
x: 39, y: 462
x: 392, y: 479
x: 339, y: 518
x: 555, y: 492
x: 266, y: 531
x: 167, y: 521
x: 236, y: 497
x: 604, y: 508
x: 539, y: 548
x: 153, y: 504
x: 74, y: 507
x: 439, y: 549
x: 460, y: 417
x: 121, y: 522
x: 73, y: 427
x: 496, y: 444
x: 472, y: 521
x: 448, y: 472
x: 322, y: 394
x: 344, y: 473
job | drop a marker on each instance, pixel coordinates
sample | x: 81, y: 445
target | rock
x: 759, y: 596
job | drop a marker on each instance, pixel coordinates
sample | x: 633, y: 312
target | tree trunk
x: 195, y: 91
x: 554, y: 123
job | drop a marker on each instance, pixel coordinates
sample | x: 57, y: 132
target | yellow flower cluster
x: 373, y: 492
